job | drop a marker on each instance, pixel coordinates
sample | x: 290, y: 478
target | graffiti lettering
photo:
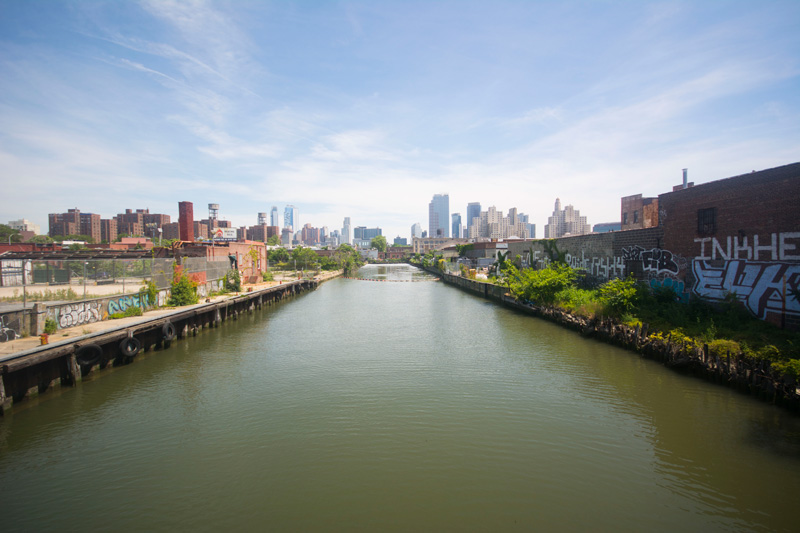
x: 7, y: 330
x: 78, y: 314
x: 763, y: 287
x: 655, y: 260
x: 674, y: 285
x: 121, y: 304
x: 778, y: 248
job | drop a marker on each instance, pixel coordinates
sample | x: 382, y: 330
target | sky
x: 366, y: 109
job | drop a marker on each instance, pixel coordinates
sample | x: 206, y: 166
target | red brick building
x: 638, y: 213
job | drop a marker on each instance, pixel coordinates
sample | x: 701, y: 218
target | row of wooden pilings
x: 745, y: 374
x: 36, y: 371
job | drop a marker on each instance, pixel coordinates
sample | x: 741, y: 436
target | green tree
x: 348, y: 259
x: 275, y: 240
x: 618, y: 296
x: 184, y: 292
x: 379, y: 242
x: 41, y: 239
x: 6, y: 232
x: 279, y: 255
x: 539, y: 286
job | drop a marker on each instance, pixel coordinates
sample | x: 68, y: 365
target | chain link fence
x: 35, y: 280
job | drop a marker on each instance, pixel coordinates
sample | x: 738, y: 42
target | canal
x: 396, y: 405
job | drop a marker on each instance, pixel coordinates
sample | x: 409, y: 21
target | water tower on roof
x: 262, y: 219
x: 213, y: 211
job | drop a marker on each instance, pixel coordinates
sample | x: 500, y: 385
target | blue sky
x: 367, y: 109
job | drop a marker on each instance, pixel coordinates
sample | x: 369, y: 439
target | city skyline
x: 366, y: 110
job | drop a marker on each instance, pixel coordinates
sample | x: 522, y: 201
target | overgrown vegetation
x: 149, y: 293
x: 233, y: 281
x: 50, y: 326
x: 130, y: 311
x: 184, y: 290
x: 726, y: 329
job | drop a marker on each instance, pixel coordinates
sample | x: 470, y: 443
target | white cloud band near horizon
x: 367, y: 109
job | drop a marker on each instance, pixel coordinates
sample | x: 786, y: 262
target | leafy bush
x: 790, y: 367
x: 149, y: 293
x: 131, y: 311
x: 618, y: 296
x: 267, y: 276
x: 540, y: 286
x: 233, y: 281
x: 50, y: 326
x: 184, y: 292
x: 721, y: 347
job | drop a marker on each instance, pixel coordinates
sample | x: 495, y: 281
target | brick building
x: 262, y: 232
x: 108, y: 230
x: 73, y: 222
x: 638, y: 213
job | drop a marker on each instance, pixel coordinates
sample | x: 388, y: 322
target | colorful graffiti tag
x: 674, y: 285
x: 764, y: 287
x: 123, y: 303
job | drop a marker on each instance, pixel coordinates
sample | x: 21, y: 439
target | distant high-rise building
x: 274, y: 218
x: 24, y: 225
x: 365, y: 233
x: 346, y: 231
x: 473, y: 212
x: 73, y: 222
x: 565, y: 222
x: 456, y: 219
x: 491, y: 224
x: 416, y: 230
x: 439, y: 215
x: 262, y: 219
x: 291, y: 218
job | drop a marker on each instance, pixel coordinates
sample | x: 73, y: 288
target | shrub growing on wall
x: 233, y: 281
x: 184, y: 292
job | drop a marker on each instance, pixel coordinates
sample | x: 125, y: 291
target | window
x: 635, y: 217
x: 624, y: 218
x: 707, y: 221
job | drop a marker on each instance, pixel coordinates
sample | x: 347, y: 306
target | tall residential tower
x: 439, y: 216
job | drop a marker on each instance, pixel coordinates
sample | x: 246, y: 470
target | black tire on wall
x: 168, y: 331
x: 130, y: 346
x: 88, y: 354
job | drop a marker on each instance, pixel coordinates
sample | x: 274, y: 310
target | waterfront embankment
x: 745, y: 374
x: 29, y: 368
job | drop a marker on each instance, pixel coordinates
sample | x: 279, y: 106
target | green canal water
x: 381, y: 406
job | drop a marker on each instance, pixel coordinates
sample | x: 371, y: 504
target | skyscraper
x: 456, y: 218
x: 346, y: 231
x: 439, y: 216
x: 416, y: 231
x: 274, y: 219
x: 291, y: 218
x: 473, y: 211
x: 565, y: 222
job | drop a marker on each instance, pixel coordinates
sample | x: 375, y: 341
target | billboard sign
x: 224, y: 234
